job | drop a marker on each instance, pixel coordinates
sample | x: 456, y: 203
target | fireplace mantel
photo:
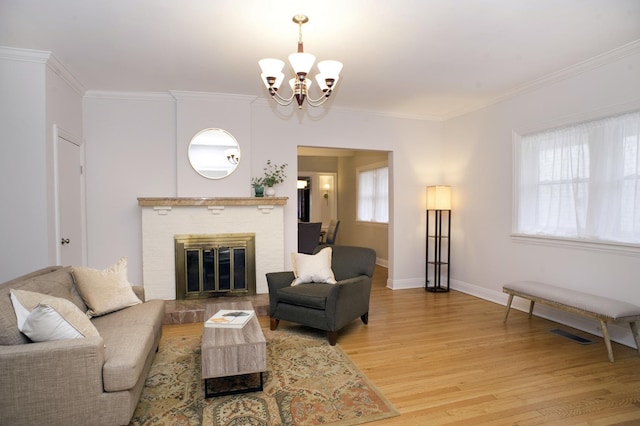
x: 215, y: 201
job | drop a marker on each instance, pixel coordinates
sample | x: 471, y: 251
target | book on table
x: 229, y: 318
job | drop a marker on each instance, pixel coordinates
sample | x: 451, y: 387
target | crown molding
x: 43, y: 57
x: 24, y: 55
x: 554, y: 77
x: 181, y: 95
x: 57, y: 67
x: 129, y: 96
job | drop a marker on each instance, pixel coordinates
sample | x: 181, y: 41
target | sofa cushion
x: 312, y: 295
x: 106, y: 290
x: 49, y: 317
x: 129, y: 336
x: 55, y: 281
x: 313, y: 268
x: 125, y: 352
x: 149, y: 313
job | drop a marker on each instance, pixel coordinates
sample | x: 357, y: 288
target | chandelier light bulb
x: 272, y: 81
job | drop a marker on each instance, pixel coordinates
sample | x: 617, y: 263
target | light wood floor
x: 448, y: 359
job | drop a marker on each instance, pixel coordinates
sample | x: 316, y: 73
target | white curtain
x: 582, y: 181
x: 373, y: 195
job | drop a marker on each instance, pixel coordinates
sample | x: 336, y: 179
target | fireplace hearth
x: 215, y: 265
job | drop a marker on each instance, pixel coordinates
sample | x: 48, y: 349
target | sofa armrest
x: 349, y: 300
x: 139, y: 291
x: 62, y: 377
x: 276, y: 281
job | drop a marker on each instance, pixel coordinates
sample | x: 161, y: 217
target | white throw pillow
x: 106, y: 290
x: 42, y: 317
x: 313, y: 268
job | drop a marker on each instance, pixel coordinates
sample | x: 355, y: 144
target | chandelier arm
x: 280, y: 100
x: 319, y: 101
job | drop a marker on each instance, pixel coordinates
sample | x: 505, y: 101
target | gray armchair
x: 327, y: 307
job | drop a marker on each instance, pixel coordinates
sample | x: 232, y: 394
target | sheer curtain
x: 373, y: 195
x: 582, y: 181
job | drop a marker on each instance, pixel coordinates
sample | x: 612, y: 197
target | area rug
x: 308, y: 382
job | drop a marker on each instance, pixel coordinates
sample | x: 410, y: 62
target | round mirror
x: 214, y: 153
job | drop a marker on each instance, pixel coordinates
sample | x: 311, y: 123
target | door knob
x: 65, y: 241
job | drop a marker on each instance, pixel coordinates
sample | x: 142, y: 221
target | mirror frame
x: 214, y: 153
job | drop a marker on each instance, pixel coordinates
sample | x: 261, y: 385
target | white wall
x: 136, y: 146
x: 22, y: 168
x: 198, y: 111
x: 477, y: 163
x: 34, y: 98
x: 130, y: 152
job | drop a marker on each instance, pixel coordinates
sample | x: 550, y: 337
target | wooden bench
x: 601, y: 308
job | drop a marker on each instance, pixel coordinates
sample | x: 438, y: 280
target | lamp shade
x: 271, y: 66
x: 330, y: 68
x: 438, y: 197
x: 301, y: 62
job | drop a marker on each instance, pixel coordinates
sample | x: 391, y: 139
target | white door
x: 69, y: 203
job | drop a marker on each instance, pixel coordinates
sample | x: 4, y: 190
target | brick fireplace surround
x: 163, y: 218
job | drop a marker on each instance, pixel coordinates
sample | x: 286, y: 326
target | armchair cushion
x: 313, y: 268
x: 310, y: 295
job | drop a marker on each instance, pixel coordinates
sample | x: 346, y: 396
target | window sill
x: 608, y: 246
x: 372, y: 224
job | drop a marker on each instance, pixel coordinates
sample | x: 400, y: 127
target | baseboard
x: 382, y: 262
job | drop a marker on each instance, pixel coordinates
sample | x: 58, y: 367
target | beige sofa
x: 83, y: 381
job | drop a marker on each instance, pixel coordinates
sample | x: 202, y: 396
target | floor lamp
x: 438, y: 238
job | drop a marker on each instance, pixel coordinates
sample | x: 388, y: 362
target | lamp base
x: 436, y: 289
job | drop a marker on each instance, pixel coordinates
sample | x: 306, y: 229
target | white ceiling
x: 416, y: 58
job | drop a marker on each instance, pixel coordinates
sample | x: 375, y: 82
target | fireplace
x: 164, y: 218
x: 215, y: 265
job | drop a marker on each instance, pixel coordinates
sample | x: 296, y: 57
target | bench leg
x: 531, y: 309
x: 506, y: 314
x: 636, y: 335
x: 607, y: 339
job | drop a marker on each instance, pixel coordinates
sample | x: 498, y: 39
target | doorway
x: 342, y: 164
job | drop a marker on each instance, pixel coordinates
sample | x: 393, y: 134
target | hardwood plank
x: 447, y: 358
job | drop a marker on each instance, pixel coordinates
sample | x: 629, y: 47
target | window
x: 373, y: 195
x: 581, y: 181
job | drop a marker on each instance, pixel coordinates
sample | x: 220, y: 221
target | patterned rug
x: 308, y: 382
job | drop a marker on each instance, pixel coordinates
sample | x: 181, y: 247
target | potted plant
x: 273, y: 175
x: 258, y: 187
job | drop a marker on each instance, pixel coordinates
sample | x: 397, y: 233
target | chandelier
x: 301, y: 62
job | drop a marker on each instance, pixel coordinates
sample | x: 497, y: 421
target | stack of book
x: 229, y: 318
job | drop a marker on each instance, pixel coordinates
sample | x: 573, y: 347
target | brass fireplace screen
x: 215, y: 265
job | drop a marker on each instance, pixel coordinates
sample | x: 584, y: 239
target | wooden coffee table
x: 232, y: 351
